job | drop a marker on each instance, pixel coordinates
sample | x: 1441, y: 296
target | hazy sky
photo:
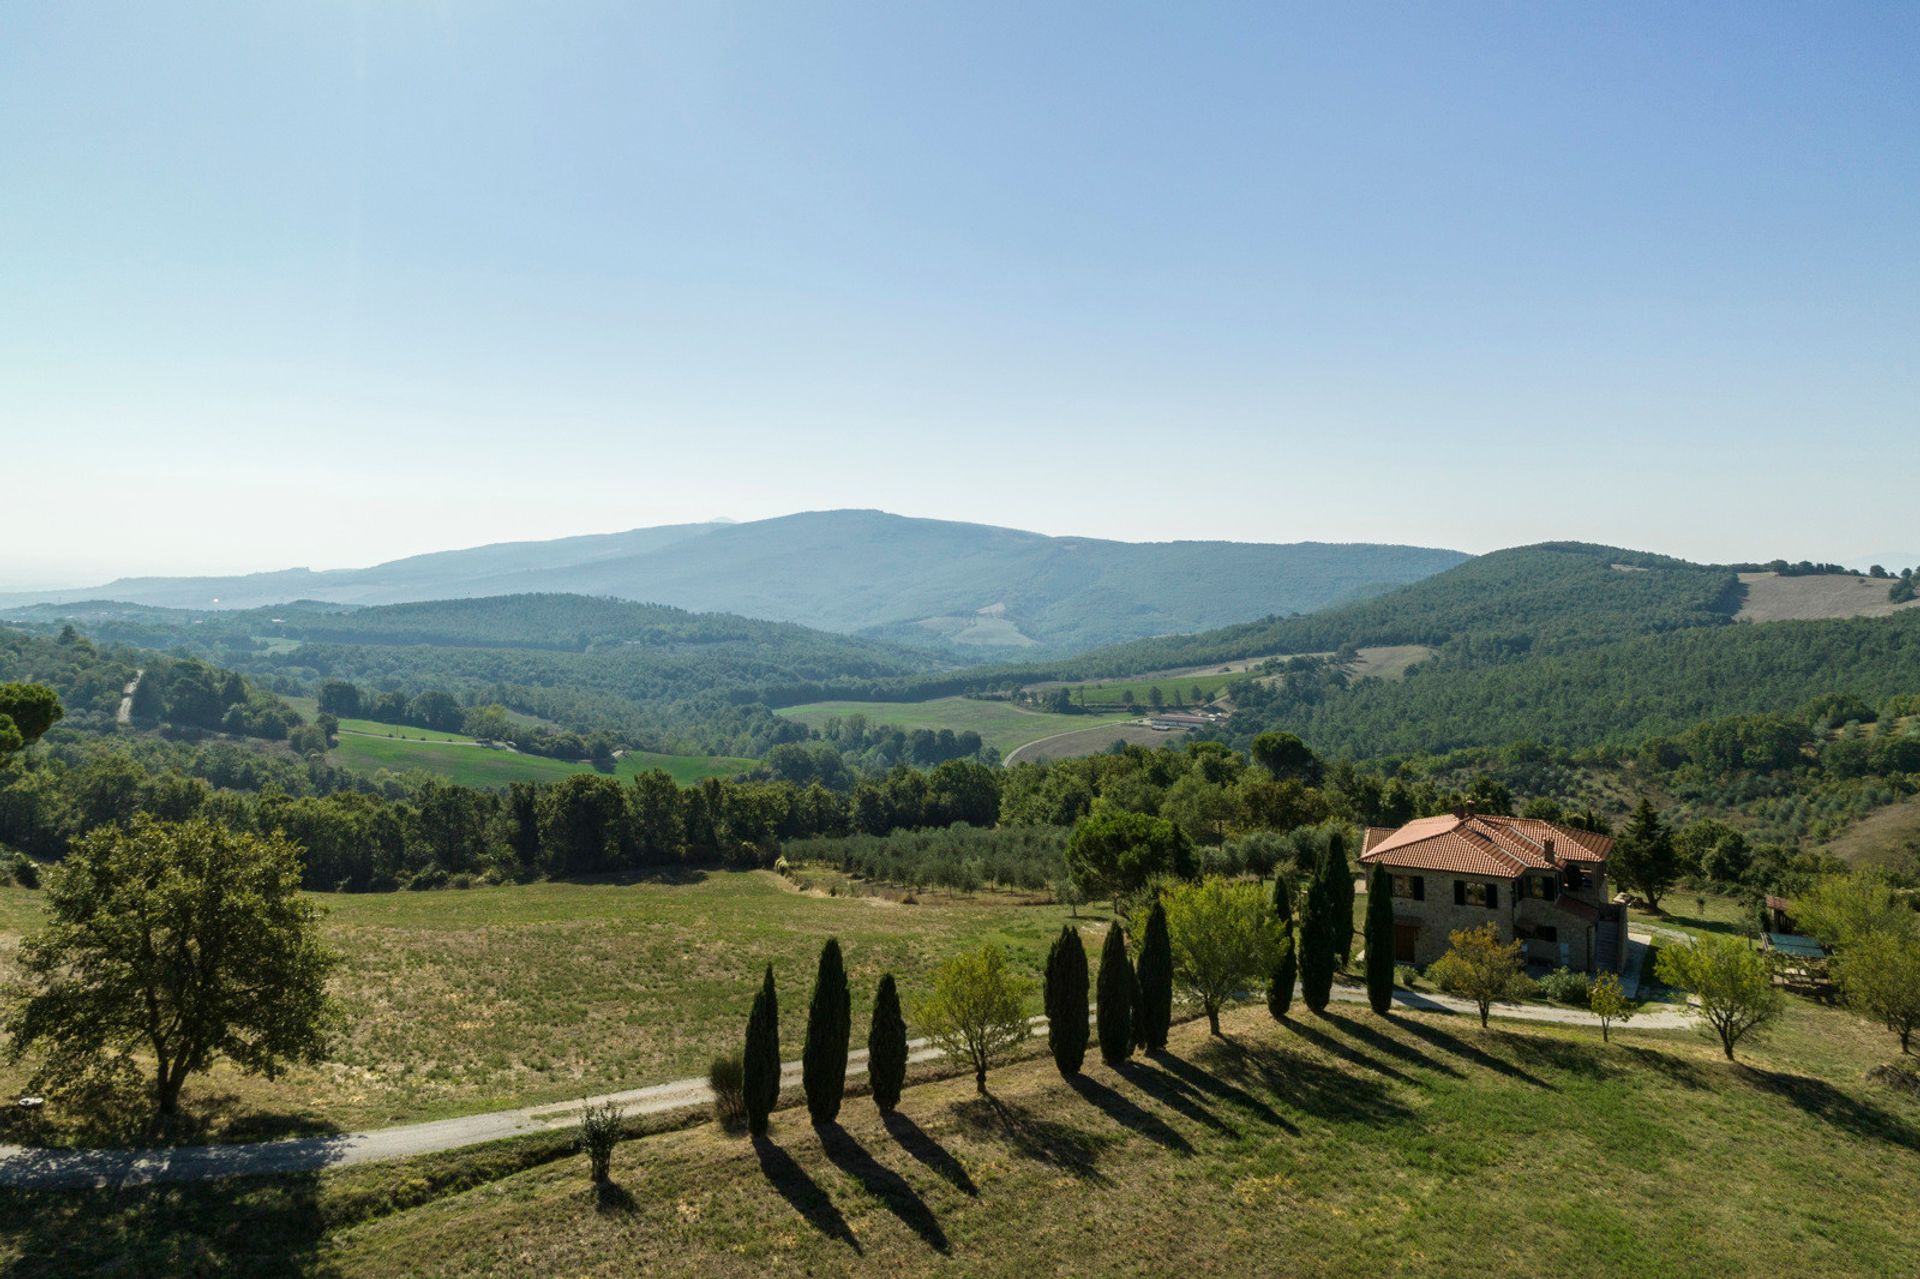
x: 326, y: 283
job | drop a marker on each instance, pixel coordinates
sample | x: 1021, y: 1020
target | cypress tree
x: 887, y: 1042
x: 1114, y: 1016
x: 1340, y: 881
x: 761, y: 1061
x: 823, y: 1061
x: 1286, y: 960
x: 1380, y: 940
x: 1066, y: 998
x: 1156, y: 981
x: 1316, y: 939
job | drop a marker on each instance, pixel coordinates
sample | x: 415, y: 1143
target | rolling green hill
x: 965, y: 589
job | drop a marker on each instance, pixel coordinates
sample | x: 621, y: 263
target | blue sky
x: 327, y: 283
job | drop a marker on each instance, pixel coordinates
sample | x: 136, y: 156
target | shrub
x: 727, y: 1077
x: 599, y: 1134
x: 1564, y: 986
x: 1406, y: 975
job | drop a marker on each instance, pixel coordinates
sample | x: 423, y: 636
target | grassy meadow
x: 1348, y: 1144
x: 459, y: 1001
x: 460, y: 759
x: 1000, y: 724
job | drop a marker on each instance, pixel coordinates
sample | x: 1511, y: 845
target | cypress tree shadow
x: 1072, y: 1150
x: 1198, y: 1079
x: 1387, y: 1044
x: 1346, y: 1052
x: 1319, y: 1089
x: 1460, y: 1048
x: 1175, y: 1094
x: 929, y: 1152
x: 1829, y: 1105
x: 884, y: 1184
x: 804, y: 1193
x: 1129, y: 1115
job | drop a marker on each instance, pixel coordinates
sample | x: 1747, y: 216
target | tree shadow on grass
x: 1128, y: 1114
x: 803, y: 1192
x: 611, y: 1196
x: 252, y: 1226
x: 929, y: 1152
x: 884, y: 1184
x: 1448, y: 1042
x: 1387, y: 1044
x: 1174, y: 1093
x: 1575, y: 1057
x: 1072, y: 1150
x: 1346, y: 1052
x: 1676, y: 1069
x: 1828, y: 1104
x: 1311, y: 1085
x: 1198, y: 1077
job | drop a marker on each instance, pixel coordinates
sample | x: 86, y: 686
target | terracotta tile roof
x: 1779, y: 903
x: 1482, y: 844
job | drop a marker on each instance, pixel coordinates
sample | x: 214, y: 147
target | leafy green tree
x: 1730, y: 979
x: 1286, y: 758
x: 1223, y: 939
x: 338, y: 697
x: 823, y: 1060
x: 1066, y: 1000
x: 976, y: 1011
x: 1844, y: 910
x: 887, y: 1047
x: 761, y: 1060
x: 181, y: 943
x: 27, y: 711
x: 1113, y: 1016
x: 1609, y: 1003
x: 1285, y: 972
x: 1480, y: 967
x: 1155, y: 975
x: 1644, y: 856
x: 1118, y: 852
x: 1879, y: 976
x: 1380, y: 941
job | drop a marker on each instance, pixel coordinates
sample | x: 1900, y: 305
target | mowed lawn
x: 1347, y: 1145
x: 457, y: 1001
x: 999, y: 724
x: 463, y: 760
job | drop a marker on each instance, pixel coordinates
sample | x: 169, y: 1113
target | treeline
x: 960, y: 858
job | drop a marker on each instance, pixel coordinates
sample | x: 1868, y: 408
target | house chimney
x: 1549, y: 850
x: 1469, y: 808
x: 1458, y: 812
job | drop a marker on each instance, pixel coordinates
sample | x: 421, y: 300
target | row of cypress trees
x: 1135, y: 1000
x: 823, y: 1059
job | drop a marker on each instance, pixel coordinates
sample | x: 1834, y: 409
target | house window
x: 1410, y: 887
x: 1577, y: 877
x: 1540, y: 887
x: 1467, y: 893
x: 1537, y: 932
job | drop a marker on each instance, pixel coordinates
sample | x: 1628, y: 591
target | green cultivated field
x: 460, y: 759
x: 999, y: 724
x: 1338, y: 1146
x: 458, y: 1001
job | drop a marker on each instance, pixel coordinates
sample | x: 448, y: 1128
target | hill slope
x: 963, y: 587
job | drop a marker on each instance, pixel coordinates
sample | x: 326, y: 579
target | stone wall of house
x: 1438, y: 916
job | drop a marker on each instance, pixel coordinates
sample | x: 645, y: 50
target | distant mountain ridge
x: 969, y: 589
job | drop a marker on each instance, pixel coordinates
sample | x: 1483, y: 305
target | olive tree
x: 174, y: 944
x: 1480, y: 967
x: 1879, y: 976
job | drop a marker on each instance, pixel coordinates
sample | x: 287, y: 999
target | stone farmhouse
x: 1540, y: 882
